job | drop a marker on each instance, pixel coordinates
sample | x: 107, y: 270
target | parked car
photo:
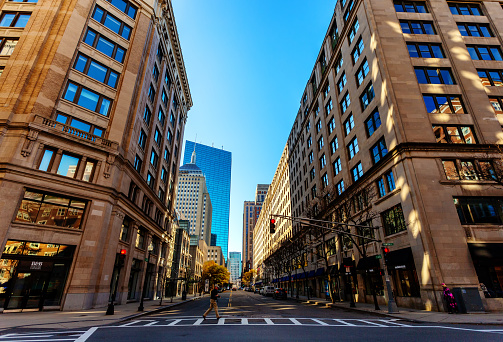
x: 234, y: 289
x: 268, y: 290
x: 279, y: 294
x: 257, y: 290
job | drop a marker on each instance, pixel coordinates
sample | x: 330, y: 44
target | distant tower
x: 193, y: 200
x: 215, y: 163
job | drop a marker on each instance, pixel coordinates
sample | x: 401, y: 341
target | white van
x: 268, y: 290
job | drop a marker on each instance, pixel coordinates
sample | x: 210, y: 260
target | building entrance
x: 33, y: 274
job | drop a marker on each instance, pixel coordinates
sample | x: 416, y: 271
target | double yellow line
x: 230, y: 300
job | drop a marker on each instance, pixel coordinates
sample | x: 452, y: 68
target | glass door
x: 27, y: 290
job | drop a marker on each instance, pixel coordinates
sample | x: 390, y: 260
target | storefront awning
x: 400, y: 258
x: 368, y: 263
x: 311, y: 274
x: 319, y: 272
x: 302, y: 275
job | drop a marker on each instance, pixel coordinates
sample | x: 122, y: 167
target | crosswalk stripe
x: 199, y: 321
x: 344, y: 322
x: 395, y: 323
x: 372, y: 323
x: 174, y: 322
x: 269, y: 321
x: 319, y: 322
x: 244, y: 321
x: 295, y: 321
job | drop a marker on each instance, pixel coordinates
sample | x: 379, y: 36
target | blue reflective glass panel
x: 88, y: 99
x: 90, y: 37
x: 105, y: 46
x: 80, y: 64
x: 112, y: 79
x: 112, y: 23
x: 22, y: 20
x: 70, y: 92
x: 97, y: 71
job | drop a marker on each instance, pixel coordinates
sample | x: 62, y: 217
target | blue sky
x: 248, y: 62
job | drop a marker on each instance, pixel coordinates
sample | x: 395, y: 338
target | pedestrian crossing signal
x: 272, y: 226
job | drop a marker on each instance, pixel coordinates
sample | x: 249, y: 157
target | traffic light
x: 272, y: 226
x: 385, y: 252
x: 122, y: 257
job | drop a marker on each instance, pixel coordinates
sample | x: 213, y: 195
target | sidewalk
x: 422, y: 316
x: 84, y: 318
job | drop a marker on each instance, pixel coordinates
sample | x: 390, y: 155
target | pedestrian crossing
x: 73, y: 336
x: 275, y: 321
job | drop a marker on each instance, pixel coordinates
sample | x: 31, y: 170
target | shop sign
x: 401, y: 266
x: 32, y: 265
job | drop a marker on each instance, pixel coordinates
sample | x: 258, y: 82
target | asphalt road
x: 252, y: 317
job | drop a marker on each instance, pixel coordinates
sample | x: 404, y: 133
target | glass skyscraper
x: 216, y: 166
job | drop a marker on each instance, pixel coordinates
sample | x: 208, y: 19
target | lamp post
x: 143, y: 292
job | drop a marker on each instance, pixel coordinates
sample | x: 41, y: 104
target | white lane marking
x: 393, y: 322
x: 86, y: 335
x: 244, y: 321
x: 344, y: 322
x: 174, y: 322
x: 26, y: 336
x: 320, y: 322
x: 295, y: 321
x: 56, y: 339
x: 268, y: 321
x: 372, y: 323
x: 151, y: 323
x: 139, y: 321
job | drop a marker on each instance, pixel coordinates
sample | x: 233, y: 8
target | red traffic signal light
x: 385, y: 250
x: 272, y: 226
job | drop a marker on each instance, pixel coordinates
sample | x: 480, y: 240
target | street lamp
x: 143, y: 292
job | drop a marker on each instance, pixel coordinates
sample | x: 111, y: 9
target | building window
x: 349, y: 124
x: 323, y: 161
x: 313, y: 191
x: 331, y: 126
x: 169, y: 136
x: 155, y: 72
x: 393, y: 220
x: 434, y: 75
x: 80, y: 125
x: 380, y: 187
x: 451, y: 134
x: 87, y: 98
x: 367, y: 96
x: 348, y: 10
x: 346, y: 101
x: 309, y: 141
x: 337, y: 166
x: 137, y: 163
x: 491, y: 78
x: 328, y: 107
x: 164, y: 98
x: 7, y: 46
x: 150, y: 180
x: 142, y: 140
x: 340, y: 187
x: 96, y: 70
x: 338, y: 64
x: 164, y: 175
x: 161, y: 117
x: 167, y: 79
x: 484, y: 52
x: 469, y: 170
x: 479, y: 210
x: 341, y: 83
x: 379, y: 150
x: 357, y: 171
x: 50, y: 209
x: 68, y: 165
x: 105, y: 45
x: 352, y: 31
x: 334, y: 145
x: 125, y: 6
x: 324, y: 180
x: 312, y: 174
x: 151, y: 93
x: 112, y: 23
x: 140, y: 238
x: 445, y: 104
x: 326, y: 91
x: 318, y: 126
x: 320, y: 143
x: 147, y: 114
x: 474, y: 30
x: 126, y: 225
x: 410, y: 6
x: 362, y: 72
x: 425, y: 50
x: 310, y: 158
x: 357, y: 51
x: 496, y: 103
x: 464, y: 9
x: 372, y: 123
x: 353, y: 148
x: 166, y: 155
x: 14, y: 19
x: 386, y: 184
x: 308, y: 126
x: 417, y: 27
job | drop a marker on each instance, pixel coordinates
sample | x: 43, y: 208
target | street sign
x: 378, y: 256
x: 388, y: 244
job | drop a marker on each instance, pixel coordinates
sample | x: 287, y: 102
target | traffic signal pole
x: 392, y: 307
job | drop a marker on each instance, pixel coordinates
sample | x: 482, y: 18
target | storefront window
x: 406, y: 282
x: 133, y: 279
x: 47, y: 209
x: 373, y: 280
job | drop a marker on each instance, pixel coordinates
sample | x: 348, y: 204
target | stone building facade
x: 251, y: 212
x: 404, y: 103
x: 94, y: 101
